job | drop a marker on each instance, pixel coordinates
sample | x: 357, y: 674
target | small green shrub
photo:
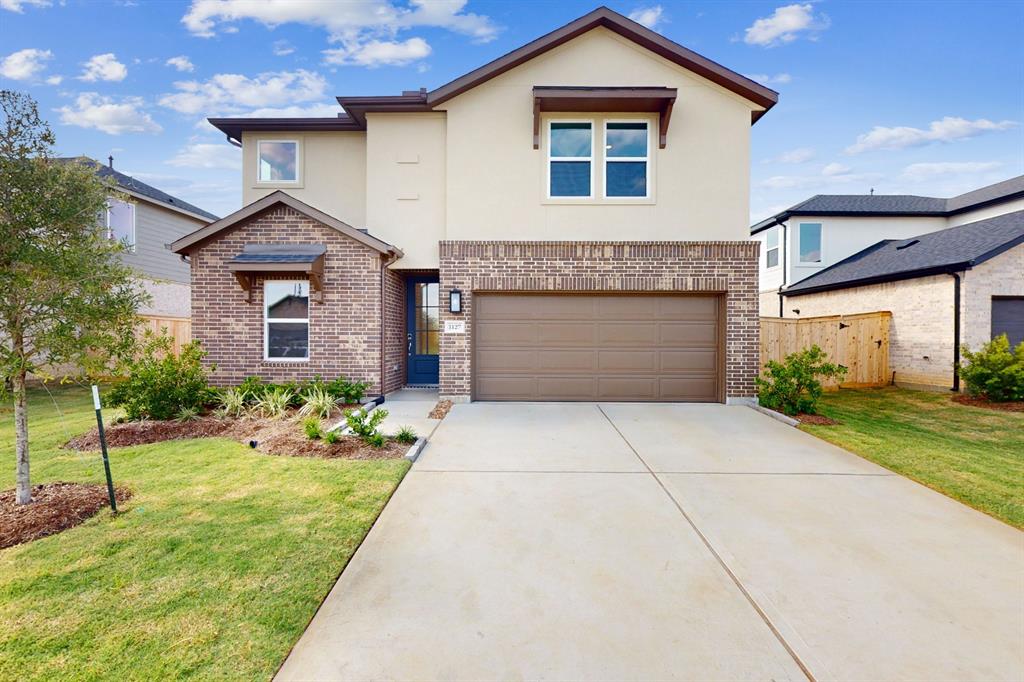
x: 994, y: 370
x: 317, y: 401
x: 231, y: 403
x: 274, y: 403
x: 366, y: 426
x: 331, y: 437
x: 792, y: 386
x: 158, y: 383
x: 406, y: 435
x: 311, y: 425
x: 187, y: 414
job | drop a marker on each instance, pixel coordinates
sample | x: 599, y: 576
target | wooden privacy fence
x: 858, y: 342
x: 180, y: 328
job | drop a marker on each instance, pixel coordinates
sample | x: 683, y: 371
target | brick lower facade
x: 729, y: 268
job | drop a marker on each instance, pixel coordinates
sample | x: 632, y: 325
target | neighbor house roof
x: 951, y: 250
x: 422, y: 100
x: 256, y: 208
x: 141, y: 190
x: 897, y: 204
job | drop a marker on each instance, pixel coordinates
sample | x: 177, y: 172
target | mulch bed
x: 815, y: 419
x: 1010, y: 406
x: 54, y: 507
x: 151, y: 431
x: 440, y: 410
x: 294, y: 443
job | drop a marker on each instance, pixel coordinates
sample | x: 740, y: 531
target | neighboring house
x: 825, y: 229
x: 959, y: 285
x: 567, y: 222
x: 147, y: 223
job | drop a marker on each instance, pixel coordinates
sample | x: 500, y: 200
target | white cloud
x: 648, y: 16
x: 379, y: 53
x: 231, y: 93
x: 785, y: 25
x: 282, y: 48
x: 947, y: 129
x: 928, y: 171
x: 206, y: 155
x: 768, y: 79
x: 19, y: 5
x: 311, y: 111
x: 23, y: 65
x: 181, y: 63
x: 54, y: 80
x: 103, y: 67
x: 798, y: 155
x: 92, y: 110
x: 831, y: 174
x: 833, y: 169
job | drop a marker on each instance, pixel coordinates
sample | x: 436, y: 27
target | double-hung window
x: 570, y: 159
x: 771, y: 243
x: 810, y: 243
x: 120, y: 222
x: 626, y: 151
x: 278, y: 161
x: 286, y: 320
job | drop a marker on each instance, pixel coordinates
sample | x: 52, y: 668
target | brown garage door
x: 597, y: 347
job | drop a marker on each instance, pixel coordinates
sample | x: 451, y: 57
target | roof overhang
x: 881, y: 279
x: 234, y: 127
x: 613, y: 99
x: 264, y: 259
x: 780, y: 218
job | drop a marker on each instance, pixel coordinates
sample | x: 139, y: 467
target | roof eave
x: 881, y: 279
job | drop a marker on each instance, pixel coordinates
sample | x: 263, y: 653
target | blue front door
x: 423, y: 326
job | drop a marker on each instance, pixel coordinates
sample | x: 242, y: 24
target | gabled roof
x: 141, y: 190
x: 951, y: 250
x: 192, y: 241
x: 421, y: 100
x: 897, y: 204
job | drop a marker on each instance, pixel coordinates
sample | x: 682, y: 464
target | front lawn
x: 213, y: 569
x: 972, y: 454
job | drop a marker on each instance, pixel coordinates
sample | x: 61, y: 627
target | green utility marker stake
x: 103, y: 446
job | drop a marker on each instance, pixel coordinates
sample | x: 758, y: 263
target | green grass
x: 213, y: 569
x: 972, y: 454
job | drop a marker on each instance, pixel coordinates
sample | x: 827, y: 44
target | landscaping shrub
x: 274, y: 402
x: 187, y: 414
x: 311, y: 425
x: 231, y: 403
x: 406, y: 435
x: 331, y: 437
x: 158, y: 384
x: 994, y: 371
x: 318, y: 401
x: 366, y: 426
x: 344, y: 391
x: 792, y: 386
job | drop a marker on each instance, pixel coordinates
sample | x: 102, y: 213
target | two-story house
x: 567, y: 222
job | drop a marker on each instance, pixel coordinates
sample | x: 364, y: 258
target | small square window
x: 278, y: 161
x: 771, y: 254
x: 810, y: 242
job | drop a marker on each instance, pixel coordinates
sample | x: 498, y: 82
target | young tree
x: 67, y: 298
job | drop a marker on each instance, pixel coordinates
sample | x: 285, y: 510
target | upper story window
x: 810, y: 242
x: 570, y: 159
x: 626, y: 151
x: 278, y: 161
x: 771, y: 245
x: 120, y: 222
x: 286, y: 320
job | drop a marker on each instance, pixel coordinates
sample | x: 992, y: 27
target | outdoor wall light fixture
x: 796, y: 311
x: 455, y: 301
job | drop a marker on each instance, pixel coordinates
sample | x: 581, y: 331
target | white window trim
x: 768, y: 249
x: 592, y: 159
x: 130, y: 247
x: 266, y: 322
x: 821, y: 244
x: 605, y: 160
x: 298, y: 163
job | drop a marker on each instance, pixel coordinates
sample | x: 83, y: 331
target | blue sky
x: 923, y: 98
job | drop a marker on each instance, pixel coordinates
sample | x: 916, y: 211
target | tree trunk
x: 24, y: 487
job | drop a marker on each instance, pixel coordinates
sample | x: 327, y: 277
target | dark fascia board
x: 192, y: 241
x: 613, y: 98
x: 629, y: 29
x: 988, y: 202
x: 358, y: 107
x: 786, y: 215
x: 234, y: 127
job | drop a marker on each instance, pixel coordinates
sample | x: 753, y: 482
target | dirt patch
x: 1010, y: 406
x: 815, y: 419
x: 440, y: 410
x: 54, y: 507
x: 149, y: 431
x: 293, y: 443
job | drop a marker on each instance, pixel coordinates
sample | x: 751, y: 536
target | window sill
x: 278, y: 185
x: 596, y: 201
x: 283, y: 361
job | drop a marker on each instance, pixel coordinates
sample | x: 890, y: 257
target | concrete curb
x: 415, y: 449
x: 778, y: 416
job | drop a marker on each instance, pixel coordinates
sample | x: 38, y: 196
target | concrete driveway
x: 618, y: 542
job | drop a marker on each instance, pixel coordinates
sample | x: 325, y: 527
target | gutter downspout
x: 385, y: 261
x: 956, y: 331
x: 783, y: 247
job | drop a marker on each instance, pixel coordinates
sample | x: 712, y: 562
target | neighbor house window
x: 278, y: 161
x: 570, y: 159
x: 810, y: 242
x: 286, y: 320
x: 625, y: 159
x: 771, y: 245
x: 120, y: 222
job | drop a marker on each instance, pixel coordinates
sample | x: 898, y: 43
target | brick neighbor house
x: 567, y: 222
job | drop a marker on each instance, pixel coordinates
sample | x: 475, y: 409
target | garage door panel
x: 635, y: 347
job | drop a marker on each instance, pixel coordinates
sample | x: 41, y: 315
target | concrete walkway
x: 618, y: 542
